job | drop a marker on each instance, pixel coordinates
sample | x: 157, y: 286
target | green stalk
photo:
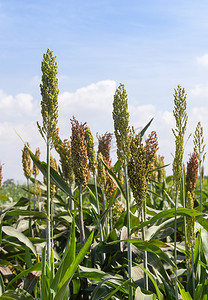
x: 104, y: 208
x: 81, y: 222
x: 48, y: 229
x: 98, y: 211
x: 128, y: 228
x: 98, y: 207
x: 200, y: 178
x: 175, y: 237
x: 145, y: 252
x: 30, y: 221
x: 193, y: 272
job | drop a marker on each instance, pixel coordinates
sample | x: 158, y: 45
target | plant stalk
x: 81, y: 221
x: 48, y: 229
x: 175, y: 238
x: 146, y: 286
x: 128, y: 228
x: 98, y: 211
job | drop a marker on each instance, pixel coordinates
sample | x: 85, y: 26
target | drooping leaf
x: 18, y: 294
x: 159, y: 294
x: 11, y: 231
x: 169, y: 213
x: 36, y: 267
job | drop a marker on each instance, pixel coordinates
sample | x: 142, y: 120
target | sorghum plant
x: 35, y: 173
x: 191, y: 174
x: 26, y: 164
x: 49, y: 131
x: 104, y: 147
x: 199, y: 148
x: 122, y: 130
x: 92, y: 167
x: 181, y: 118
x: 80, y: 166
x: 139, y: 166
x: 64, y: 150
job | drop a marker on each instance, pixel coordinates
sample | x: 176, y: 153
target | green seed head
x: 90, y: 149
x: 64, y: 150
x: 181, y: 118
x: 49, y: 104
x: 121, y: 123
x: 199, y: 145
x: 101, y: 174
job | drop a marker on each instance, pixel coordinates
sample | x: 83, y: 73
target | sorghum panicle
x: 137, y: 170
x: 90, y: 149
x: 151, y: 149
x: 104, y: 146
x: 49, y: 103
x: 199, y: 145
x: 35, y: 168
x: 64, y: 150
x: 26, y: 162
x: 140, y: 164
x: 121, y: 123
x: 101, y: 174
x: 79, y: 153
x: 191, y: 174
x: 181, y: 119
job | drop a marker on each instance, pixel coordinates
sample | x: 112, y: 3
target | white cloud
x: 16, y: 107
x: 203, y: 60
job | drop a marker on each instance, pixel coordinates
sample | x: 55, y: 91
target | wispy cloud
x: 203, y: 60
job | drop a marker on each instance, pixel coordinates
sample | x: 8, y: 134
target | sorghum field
x: 94, y: 230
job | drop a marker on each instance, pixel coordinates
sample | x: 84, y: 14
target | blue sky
x: 150, y: 46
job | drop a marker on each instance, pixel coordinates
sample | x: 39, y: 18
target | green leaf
x: 141, y: 296
x: 115, y: 179
x: 18, y: 294
x: 117, y: 289
x: 26, y: 213
x: 67, y: 260
x: 159, y: 294
x: 1, y: 285
x: 168, y: 214
x: 152, y: 246
x: 22, y: 202
x: 55, y: 177
x: 72, y: 268
x: 185, y: 295
x: 142, y: 132
x: 11, y: 231
x: 36, y: 267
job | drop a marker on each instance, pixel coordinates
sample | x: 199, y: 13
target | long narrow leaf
x: 71, y: 270
x: 168, y: 214
x: 11, y: 231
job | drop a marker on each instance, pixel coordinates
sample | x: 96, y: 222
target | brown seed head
x: 79, y: 153
x: 26, y: 162
x: 35, y: 168
x: 191, y: 175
